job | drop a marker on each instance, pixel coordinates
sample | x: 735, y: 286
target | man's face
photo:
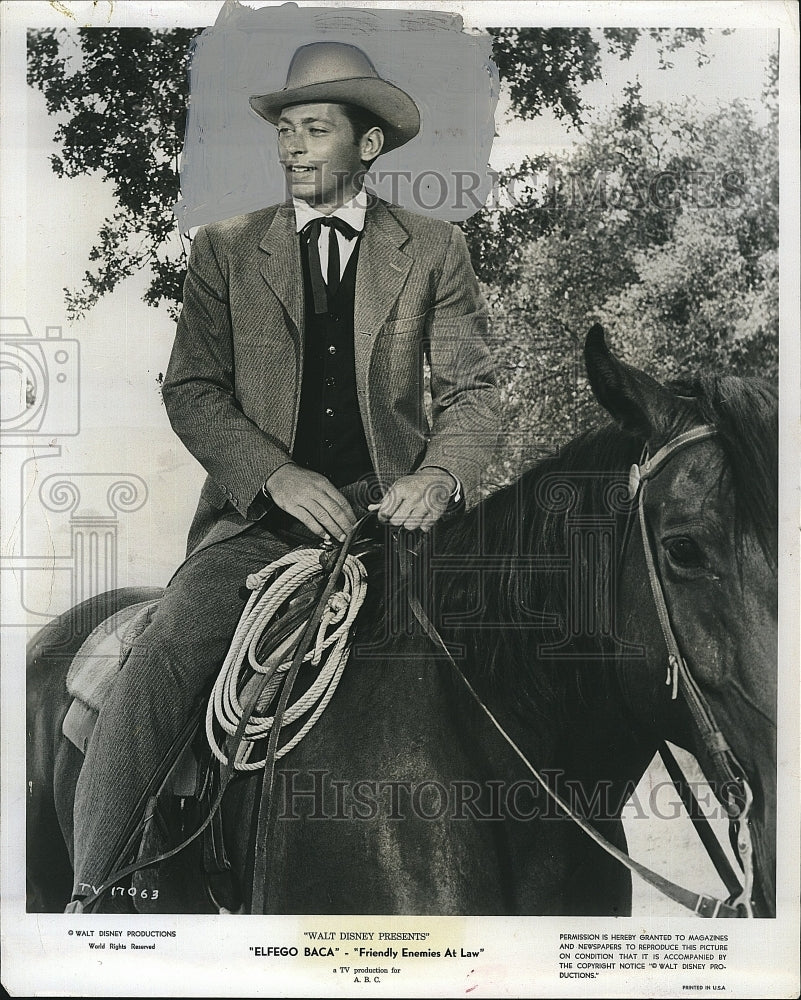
x: 320, y: 155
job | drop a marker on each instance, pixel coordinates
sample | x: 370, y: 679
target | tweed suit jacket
x: 232, y: 388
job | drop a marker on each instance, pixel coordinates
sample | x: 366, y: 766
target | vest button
x: 332, y: 349
x: 328, y: 443
x: 329, y: 412
x: 330, y: 382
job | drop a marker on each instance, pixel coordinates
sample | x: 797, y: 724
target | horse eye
x: 684, y: 553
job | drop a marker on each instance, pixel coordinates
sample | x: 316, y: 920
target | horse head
x: 709, y: 514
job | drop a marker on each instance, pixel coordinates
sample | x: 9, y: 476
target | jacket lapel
x: 380, y: 277
x: 281, y: 266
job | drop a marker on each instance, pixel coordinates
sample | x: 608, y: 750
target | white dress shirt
x: 351, y: 212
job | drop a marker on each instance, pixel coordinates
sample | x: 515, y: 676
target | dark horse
x: 404, y: 798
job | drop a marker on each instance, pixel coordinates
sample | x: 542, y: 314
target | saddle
x: 91, y: 678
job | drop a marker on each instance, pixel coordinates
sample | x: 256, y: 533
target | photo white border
x: 210, y: 955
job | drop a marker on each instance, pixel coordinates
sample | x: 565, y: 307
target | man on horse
x: 296, y: 379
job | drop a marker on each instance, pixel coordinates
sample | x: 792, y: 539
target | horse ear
x: 638, y: 402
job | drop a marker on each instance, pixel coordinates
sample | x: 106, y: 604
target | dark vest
x: 330, y: 437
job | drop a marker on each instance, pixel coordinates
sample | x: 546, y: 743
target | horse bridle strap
x: 700, y: 823
x: 704, y: 906
x: 720, y: 752
x: 638, y: 479
x: 728, y: 768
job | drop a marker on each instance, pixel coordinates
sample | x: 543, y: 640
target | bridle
x: 730, y: 774
x: 735, y: 783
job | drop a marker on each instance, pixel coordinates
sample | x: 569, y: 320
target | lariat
x: 274, y: 586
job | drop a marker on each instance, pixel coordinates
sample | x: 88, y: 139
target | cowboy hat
x: 336, y: 73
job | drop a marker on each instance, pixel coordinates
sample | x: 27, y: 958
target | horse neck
x: 508, y: 574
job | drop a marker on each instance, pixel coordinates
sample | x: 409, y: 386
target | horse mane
x: 531, y: 518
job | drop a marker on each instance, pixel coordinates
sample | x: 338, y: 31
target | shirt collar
x: 352, y: 212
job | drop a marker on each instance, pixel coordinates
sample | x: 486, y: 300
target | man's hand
x: 312, y: 499
x: 417, y: 501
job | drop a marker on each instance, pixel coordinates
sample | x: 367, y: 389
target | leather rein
x: 679, y: 676
x: 739, y: 795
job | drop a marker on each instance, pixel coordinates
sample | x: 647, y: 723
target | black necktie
x: 311, y: 233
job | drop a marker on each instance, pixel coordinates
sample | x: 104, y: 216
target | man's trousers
x: 170, y: 663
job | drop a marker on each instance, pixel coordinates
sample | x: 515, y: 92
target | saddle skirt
x: 93, y: 673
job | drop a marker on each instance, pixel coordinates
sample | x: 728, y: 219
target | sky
x: 736, y: 69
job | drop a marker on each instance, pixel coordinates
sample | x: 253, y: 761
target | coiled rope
x: 272, y: 587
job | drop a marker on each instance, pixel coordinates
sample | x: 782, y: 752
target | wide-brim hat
x: 336, y: 73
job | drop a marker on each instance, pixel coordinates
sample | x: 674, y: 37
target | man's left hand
x: 417, y: 501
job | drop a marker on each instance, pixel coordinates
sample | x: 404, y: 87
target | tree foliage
x: 663, y: 225
x: 547, y: 67
x: 120, y: 98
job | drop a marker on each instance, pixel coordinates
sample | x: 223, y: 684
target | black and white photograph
x: 400, y: 490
